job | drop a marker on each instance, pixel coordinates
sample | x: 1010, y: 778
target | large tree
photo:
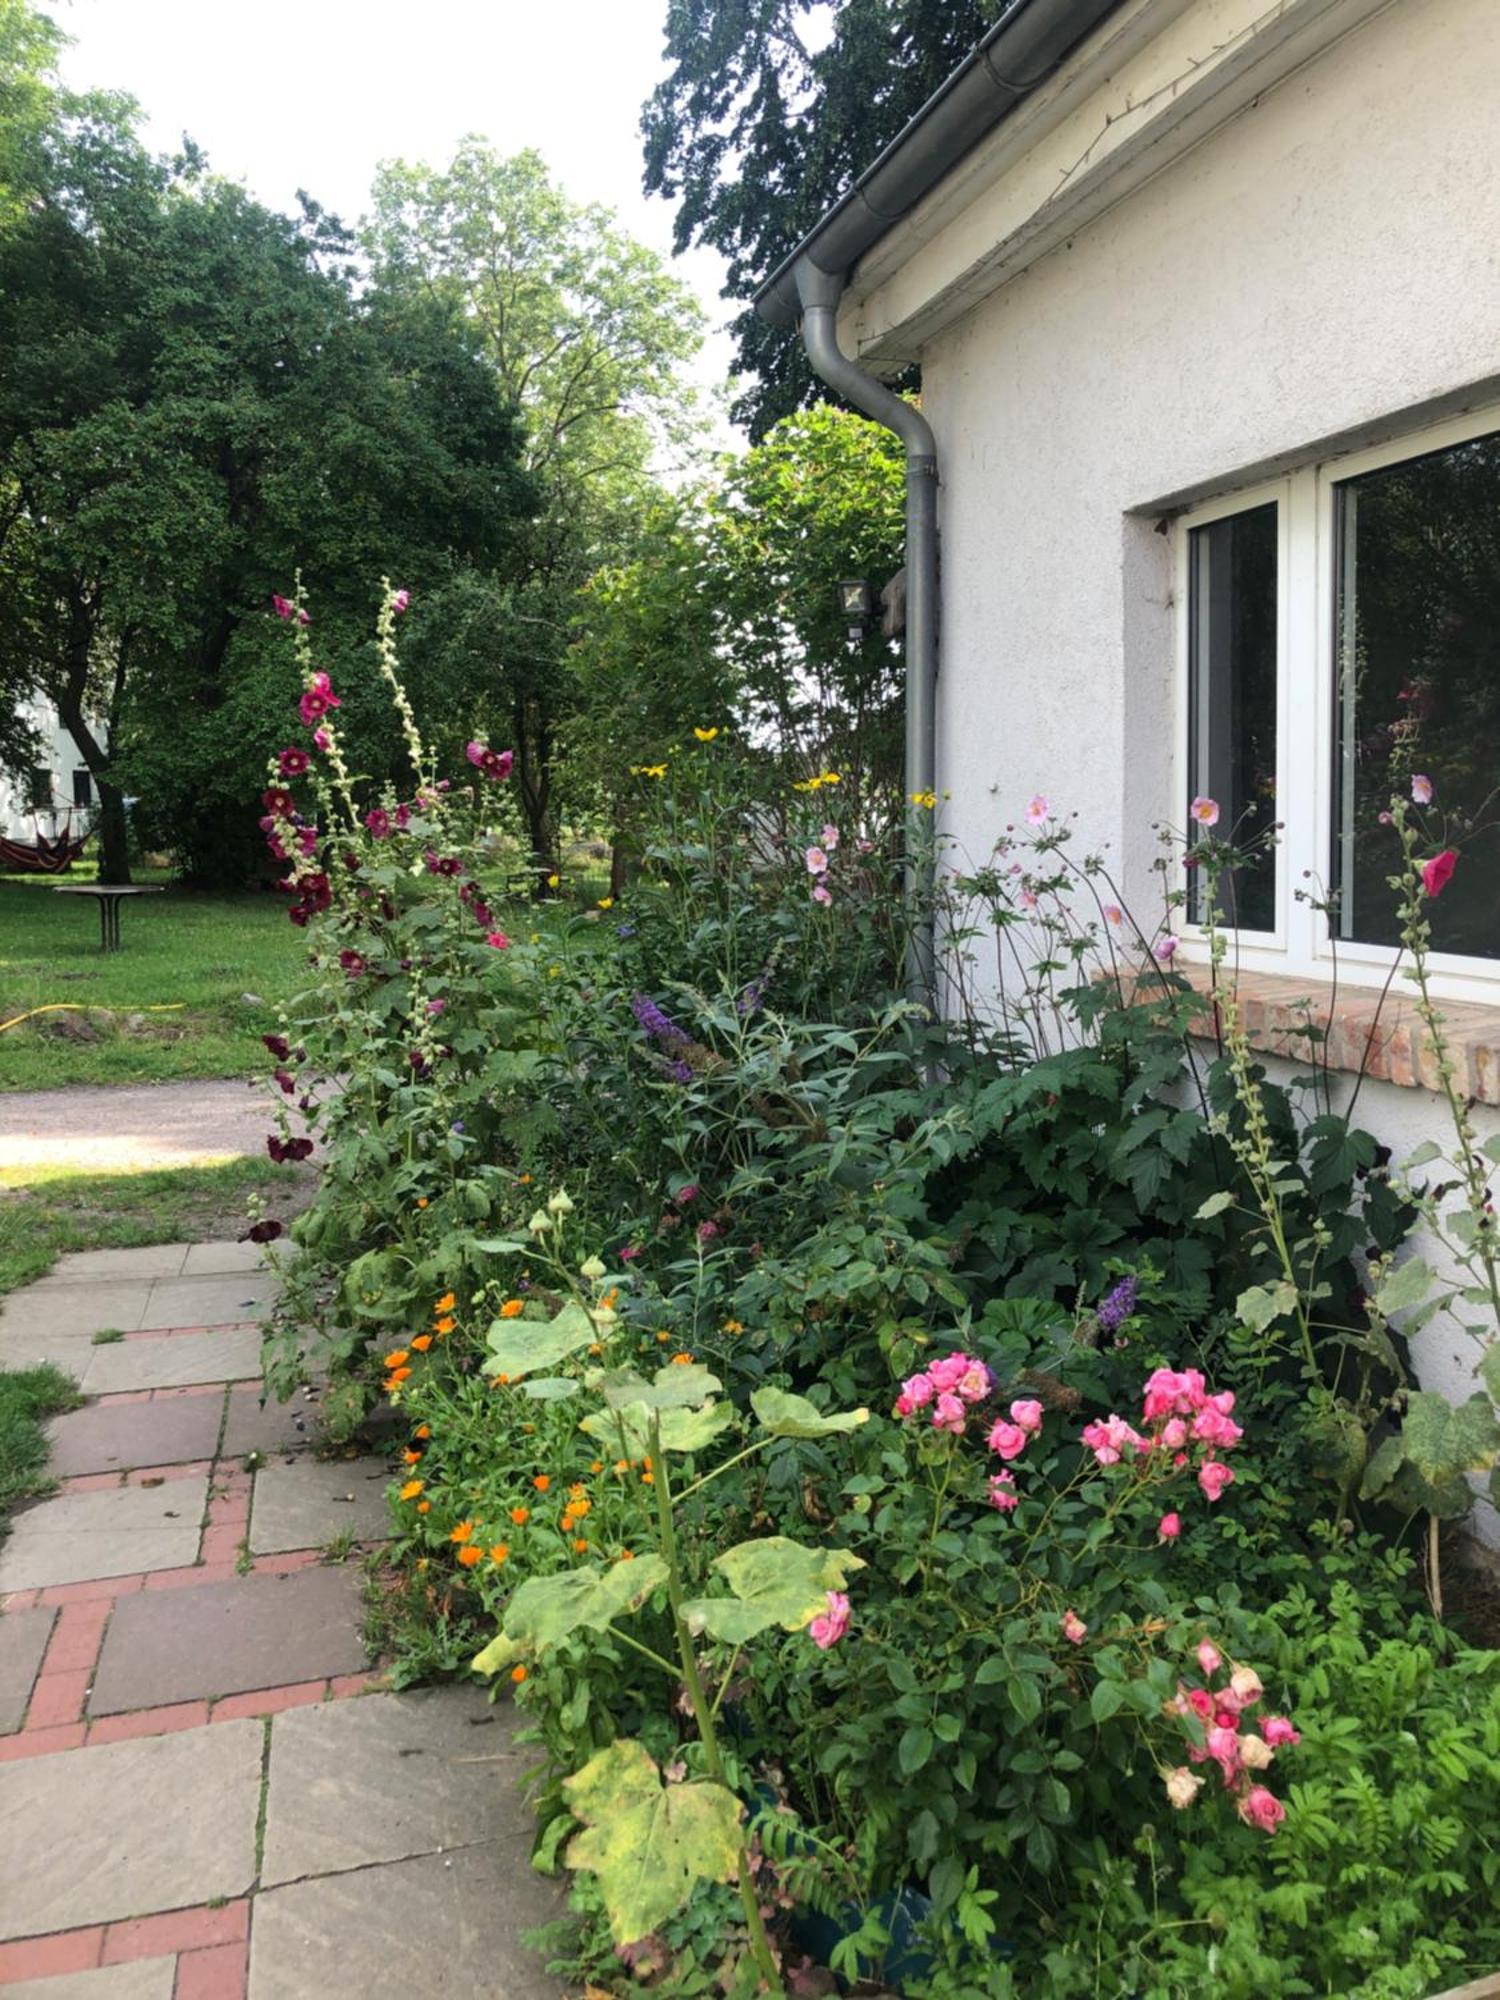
x: 589, y: 335
x: 768, y: 112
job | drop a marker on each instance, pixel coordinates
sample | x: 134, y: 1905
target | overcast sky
x: 285, y: 94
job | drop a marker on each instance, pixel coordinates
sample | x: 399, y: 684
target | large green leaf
x: 1258, y: 1305
x: 1441, y: 1439
x: 678, y: 1385
x: 631, y: 1430
x: 787, y: 1416
x: 518, y: 1346
x: 548, y: 1609
x: 1406, y: 1286
x: 775, y: 1581
x: 647, y: 1843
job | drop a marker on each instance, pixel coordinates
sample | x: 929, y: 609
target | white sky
x: 285, y: 94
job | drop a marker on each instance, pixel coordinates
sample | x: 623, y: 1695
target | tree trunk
x: 114, y: 855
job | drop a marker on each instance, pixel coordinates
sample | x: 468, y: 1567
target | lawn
x: 170, y: 1004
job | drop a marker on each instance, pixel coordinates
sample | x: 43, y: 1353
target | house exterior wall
x: 59, y: 757
x: 1320, y: 272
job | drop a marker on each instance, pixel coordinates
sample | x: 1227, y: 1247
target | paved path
x: 103, y: 1127
x: 205, y: 1793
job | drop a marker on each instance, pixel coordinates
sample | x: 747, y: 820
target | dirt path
x: 112, y: 1127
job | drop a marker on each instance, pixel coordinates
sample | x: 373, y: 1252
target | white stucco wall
x: 1323, y: 270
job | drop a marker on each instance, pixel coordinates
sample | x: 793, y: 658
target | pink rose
x: 949, y: 1414
x: 1210, y: 1659
x: 1262, y: 1809
x: 1245, y: 1685
x: 1277, y: 1729
x: 1003, y: 1492
x: 1007, y: 1439
x: 1224, y: 1748
x: 1169, y: 1527
x: 1201, y: 1702
x: 1073, y: 1628
x: 1213, y: 1478
x: 974, y: 1384
x: 915, y: 1391
x: 1027, y: 1413
x: 948, y: 1371
x: 830, y: 1626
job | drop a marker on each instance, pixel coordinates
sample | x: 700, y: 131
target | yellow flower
x: 733, y: 1326
x: 705, y: 735
x: 553, y: 881
x: 411, y: 1489
x: 829, y: 778
x: 928, y: 799
x: 606, y: 902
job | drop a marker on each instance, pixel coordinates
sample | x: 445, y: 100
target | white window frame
x: 1306, y: 734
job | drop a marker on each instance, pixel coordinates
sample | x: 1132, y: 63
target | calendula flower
x: 520, y: 1515
x: 424, y: 1507
x: 395, y: 1358
x: 396, y: 1377
x: 464, y: 1532
x: 409, y: 1457
x: 445, y: 1304
x: 541, y: 1482
x: 499, y: 1553
x: 411, y: 1489
x: 424, y: 1431
x: 733, y: 1326
x: 626, y: 1556
x: 469, y: 1556
x: 518, y: 1674
x: 705, y: 735
x: 443, y: 1326
x: 422, y: 1341
x: 580, y: 1547
x: 512, y: 1309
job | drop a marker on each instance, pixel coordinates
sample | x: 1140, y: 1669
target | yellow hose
x: 82, y: 1007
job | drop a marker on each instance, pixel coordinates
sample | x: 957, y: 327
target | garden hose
x: 82, y: 1007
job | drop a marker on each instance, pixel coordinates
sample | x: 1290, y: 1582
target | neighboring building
x: 58, y: 797
x: 1209, y: 329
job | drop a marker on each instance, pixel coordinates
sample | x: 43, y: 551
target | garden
x: 945, y: 1486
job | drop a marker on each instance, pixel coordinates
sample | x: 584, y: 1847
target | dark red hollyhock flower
x: 282, y: 1150
x: 286, y: 1080
x: 263, y: 1232
x: 293, y: 763
x: 276, y: 799
x: 353, y: 962
x: 279, y: 1046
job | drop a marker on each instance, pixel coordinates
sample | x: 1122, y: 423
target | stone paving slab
x: 394, y: 1775
x: 71, y: 1353
x: 174, y: 1361
x: 138, y: 1979
x: 208, y: 1301
x: 306, y: 1504
x: 73, y: 1312
x: 445, y: 1926
x: 212, y: 1259
x: 122, y: 1829
x: 79, y: 1267
x: 115, y: 1437
x: 23, y: 1640
x: 167, y: 1646
x: 116, y: 1532
x: 271, y: 1429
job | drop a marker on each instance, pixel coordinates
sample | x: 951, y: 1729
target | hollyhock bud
x: 592, y: 1268
x: 262, y: 1232
x: 279, y: 1046
x: 1183, y: 1786
x: 560, y: 1203
x: 1262, y: 1809
x: 1213, y: 1478
x: 1277, y: 1729
x: 1210, y: 1659
x: 1073, y: 1628
x: 1169, y: 1527
x: 1256, y: 1753
x: 321, y: 739
x: 1027, y: 1412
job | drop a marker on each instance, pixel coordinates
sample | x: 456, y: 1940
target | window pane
x: 1418, y: 650
x: 1232, y: 590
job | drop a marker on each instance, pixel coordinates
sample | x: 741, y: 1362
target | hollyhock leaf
x: 545, y: 1610
x: 549, y: 1388
x: 1440, y: 1440
x: 787, y: 1416
x: 775, y: 1581
x: 519, y: 1347
x: 1489, y: 1370
x: 637, y: 1429
x: 648, y: 1844
x: 1215, y: 1205
x: 1258, y: 1305
x: 678, y: 1386
x: 1406, y: 1286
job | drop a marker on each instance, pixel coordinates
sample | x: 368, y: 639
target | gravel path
x: 119, y: 1126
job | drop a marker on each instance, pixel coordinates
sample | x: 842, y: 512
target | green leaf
x: 914, y: 1748
x: 1107, y: 1699
x: 1439, y: 1441
x: 788, y: 1416
x: 1215, y: 1205
x: 548, y: 1609
x: 1258, y: 1305
x: 550, y: 1388
x: 517, y: 1346
x: 775, y: 1581
x: 633, y: 1428
x: 648, y: 1844
x: 676, y: 1386
x: 1406, y: 1286
x: 1428, y: 1150
x: 1489, y: 1370
x: 498, y: 1246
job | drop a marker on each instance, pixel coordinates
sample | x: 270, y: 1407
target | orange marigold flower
x: 464, y: 1532
x: 520, y: 1515
x: 424, y: 1430
x: 648, y: 1478
x: 424, y: 1507
x: 446, y: 1303
x: 518, y: 1674
x: 596, y: 1347
x: 396, y: 1377
x: 499, y: 1553
x: 443, y: 1326
x: 512, y: 1309
x: 577, y: 1490
x: 411, y: 1489
x: 395, y: 1358
x: 409, y: 1457
x: 596, y: 1465
x: 542, y: 1482
x: 421, y: 1342
x: 568, y: 1522
x: 470, y: 1555
x: 421, y: 1201
x: 580, y: 1507
x: 681, y: 1360
x: 524, y: 1181
x: 580, y: 1548
x: 622, y: 1465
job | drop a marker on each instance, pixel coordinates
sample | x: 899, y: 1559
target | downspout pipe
x: 819, y: 293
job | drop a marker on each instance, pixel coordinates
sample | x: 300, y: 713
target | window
x: 1340, y: 635
x: 83, y: 788
x: 39, y: 789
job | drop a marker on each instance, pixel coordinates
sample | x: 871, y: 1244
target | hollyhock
x: 1262, y: 1809
x: 282, y: 606
x: 1009, y: 1440
x: 436, y: 1006
x: 1437, y: 872
x: 1073, y: 1628
x: 285, y: 1082
x: 495, y: 764
x: 1421, y: 788
x: 830, y: 1626
x: 1003, y: 1492
x: 498, y: 941
x: 352, y: 962
x: 949, y: 1414
x: 279, y: 1047
x: 1210, y: 1659
x: 321, y: 739
x: 1027, y: 1413
x: 262, y: 1232
x: 282, y: 1150
x: 830, y: 838
x: 1213, y: 1478
x: 1165, y: 949
x: 278, y: 800
x: 821, y: 894
x: 292, y: 763
x: 1277, y: 1729
x: 400, y: 599
x: 1205, y: 811
x: 1183, y: 1786
x: 1169, y: 1527
x: 378, y: 822
x: 1038, y: 811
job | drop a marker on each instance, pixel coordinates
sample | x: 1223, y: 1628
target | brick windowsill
x: 1385, y: 1039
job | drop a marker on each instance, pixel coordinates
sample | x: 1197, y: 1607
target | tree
x: 757, y: 129
x: 588, y: 335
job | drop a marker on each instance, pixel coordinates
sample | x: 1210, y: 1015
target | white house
x: 1206, y: 300
x: 57, y: 796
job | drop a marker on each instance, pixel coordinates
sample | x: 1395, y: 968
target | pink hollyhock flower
x: 1113, y: 914
x: 378, y: 820
x: 1038, y: 811
x: 1027, y: 1412
x: 498, y: 940
x: 400, y: 599
x: 974, y: 1384
x: 321, y: 739
x: 1205, y: 811
x: 1245, y: 1685
x: 830, y: 1626
x: 1210, y: 1659
x: 831, y: 838
x: 1169, y: 1527
x: 282, y: 606
x: 1007, y: 1439
x: 292, y: 763
x: 1421, y: 788
x: 916, y: 1390
x: 821, y: 894
x: 1165, y: 949
x: 1073, y: 1628
x: 352, y: 962
x: 949, y: 1414
x: 1182, y: 1786
x: 1003, y: 1492
x: 1277, y: 1729
x: 436, y: 1007
x: 817, y: 861
x: 1437, y: 873
x: 1213, y: 1478
x: 1262, y: 1809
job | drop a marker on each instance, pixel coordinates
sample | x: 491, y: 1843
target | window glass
x: 1417, y: 645
x: 1232, y: 648
x: 83, y: 787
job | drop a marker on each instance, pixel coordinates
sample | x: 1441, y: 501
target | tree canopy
x: 769, y: 111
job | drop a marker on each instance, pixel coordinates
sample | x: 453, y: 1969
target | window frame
x: 1303, y: 945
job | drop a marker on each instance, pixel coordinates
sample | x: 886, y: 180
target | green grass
x: 47, y: 1211
x: 27, y: 1398
x: 192, y: 954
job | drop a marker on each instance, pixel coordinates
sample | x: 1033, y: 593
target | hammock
x: 41, y: 856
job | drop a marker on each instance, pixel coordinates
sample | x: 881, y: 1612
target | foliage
x: 767, y: 114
